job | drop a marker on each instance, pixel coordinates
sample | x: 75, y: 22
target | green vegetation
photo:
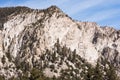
x: 3, y: 59
x: 77, y: 67
x: 2, y: 77
x: 6, y: 11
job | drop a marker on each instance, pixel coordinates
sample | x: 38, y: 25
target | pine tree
x: 3, y: 59
x: 111, y: 73
x: 57, y: 45
x: 90, y: 73
x: 2, y: 77
x: 98, y: 74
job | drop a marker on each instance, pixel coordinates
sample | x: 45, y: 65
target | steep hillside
x: 50, y: 41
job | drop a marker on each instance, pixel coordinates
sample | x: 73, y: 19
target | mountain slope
x: 27, y: 33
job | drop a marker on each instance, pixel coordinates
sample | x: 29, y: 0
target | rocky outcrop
x: 29, y: 32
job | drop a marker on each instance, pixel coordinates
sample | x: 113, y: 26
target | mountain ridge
x: 28, y: 35
x: 53, y: 8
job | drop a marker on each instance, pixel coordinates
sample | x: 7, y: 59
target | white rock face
x: 41, y: 29
x: 73, y: 34
x: 13, y: 29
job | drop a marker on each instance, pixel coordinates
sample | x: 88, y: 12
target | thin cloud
x: 91, y: 10
x: 100, y: 16
x: 7, y: 4
x: 42, y: 4
x: 82, y: 6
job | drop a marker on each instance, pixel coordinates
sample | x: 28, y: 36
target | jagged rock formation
x: 26, y: 34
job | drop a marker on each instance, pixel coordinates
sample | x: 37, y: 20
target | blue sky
x: 104, y: 12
